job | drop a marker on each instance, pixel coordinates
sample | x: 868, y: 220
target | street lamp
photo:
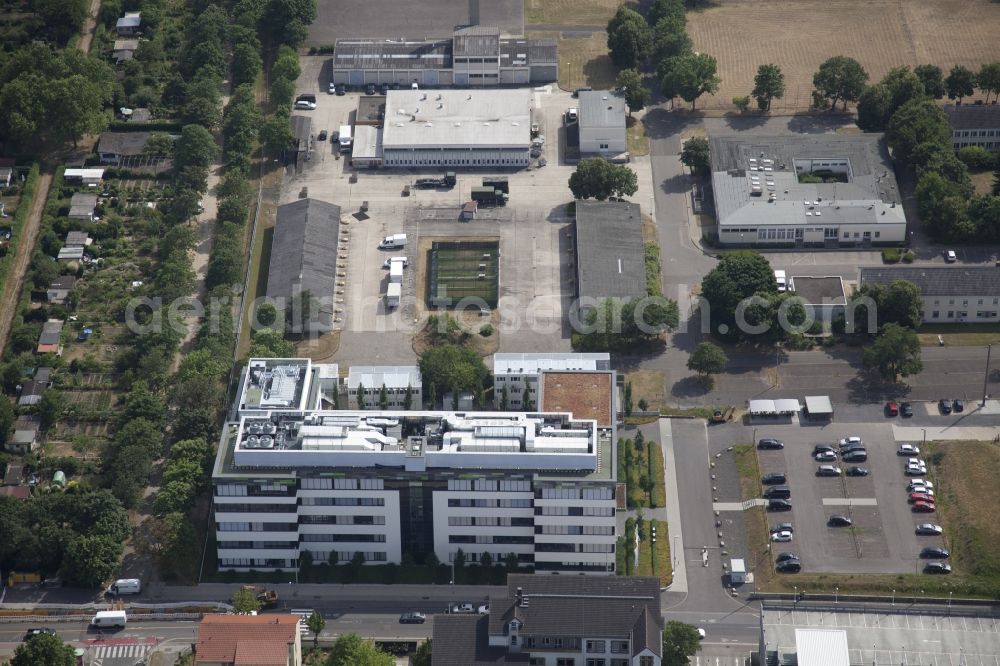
x: 986, y: 374
x: 893, y: 596
x: 836, y: 595
x: 452, y: 570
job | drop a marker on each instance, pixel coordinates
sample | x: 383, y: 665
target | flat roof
x: 819, y: 290
x: 779, y: 406
x: 275, y: 383
x: 371, y: 108
x: 457, y: 119
x: 973, y: 116
x: 771, y: 165
x: 821, y: 647
x: 586, y: 395
x: 610, y: 250
x: 819, y: 404
x: 939, y: 280
x: 533, y: 363
x: 375, y: 54
x: 367, y: 142
x: 374, y: 376
x: 602, y: 109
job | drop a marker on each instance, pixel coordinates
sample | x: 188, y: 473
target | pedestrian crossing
x: 702, y: 660
x: 120, y: 651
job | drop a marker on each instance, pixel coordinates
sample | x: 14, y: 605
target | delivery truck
x: 448, y: 180
x: 111, y: 618
x: 126, y: 586
x: 393, y: 294
x: 393, y: 242
x: 346, y: 138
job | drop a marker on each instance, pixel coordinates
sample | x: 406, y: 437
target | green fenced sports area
x: 462, y: 269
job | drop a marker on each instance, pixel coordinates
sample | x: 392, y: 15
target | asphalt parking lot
x: 882, y: 537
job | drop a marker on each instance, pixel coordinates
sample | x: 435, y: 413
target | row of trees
x: 618, y: 325
x: 598, y: 178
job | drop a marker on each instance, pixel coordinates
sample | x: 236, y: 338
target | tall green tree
x: 690, y: 76
x: 680, y: 642
x: 629, y: 84
x: 670, y: 39
x: 316, y: 623
x: 448, y: 366
x: 667, y: 9
x: 91, y: 560
x: 245, y: 601
x: 276, y: 134
x: 195, y: 147
x: 988, y: 80
x: 246, y: 63
x: 874, y: 108
x: 630, y: 39
x: 696, y: 155
x: 707, y: 359
x: 769, y: 84
x: 932, y: 78
x: 961, y: 82
x: 7, y: 419
x: 422, y: 657
x: 383, y: 398
x: 840, y: 78
x: 738, y: 276
x: 352, y: 650
x: 43, y: 650
x: 598, y: 178
x: 51, y: 407
x: 894, y: 353
x: 916, y: 122
x: 904, y: 86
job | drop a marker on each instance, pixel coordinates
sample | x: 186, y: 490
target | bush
x: 486, y: 330
x: 742, y: 103
x: 977, y: 158
x: 890, y: 255
x: 908, y: 257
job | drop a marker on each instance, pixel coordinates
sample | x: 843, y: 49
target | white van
x: 126, y: 586
x: 114, y: 618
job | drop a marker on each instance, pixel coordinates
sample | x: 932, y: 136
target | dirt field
x: 571, y: 12
x: 800, y: 35
x: 983, y: 182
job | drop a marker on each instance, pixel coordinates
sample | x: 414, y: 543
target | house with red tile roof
x: 249, y: 640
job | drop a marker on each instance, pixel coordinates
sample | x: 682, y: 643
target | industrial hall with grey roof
x: 815, y: 191
x: 304, y: 256
x: 610, y: 255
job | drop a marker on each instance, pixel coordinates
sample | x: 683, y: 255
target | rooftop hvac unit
x: 482, y: 267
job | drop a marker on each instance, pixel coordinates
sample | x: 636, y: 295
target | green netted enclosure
x: 460, y: 270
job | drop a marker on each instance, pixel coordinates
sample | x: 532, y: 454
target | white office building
x: 457, y: 128
x: 294, y: 475
x: 602, y: 123
x: 948, y: 294
x: 398, y: 381
x: 514, y: 372
x: 974, y: 125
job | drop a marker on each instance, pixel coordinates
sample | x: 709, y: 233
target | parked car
x: 857, y: 471
x: 484, y: 609
x: 944, y: 406
x: 820, y: 448
x: 825, y: 456
x: 341, y: 89
x: 38, y: 631
x: 335, y: 137
x: 914, y: 470
x: 781, y: 537
x: 855, y: 455
x: 789, y: 566
x: 929, y: 529
x: 906, y: 409
x: 412, y: 618
x: 773, y: 478
x: 920, y: 483
x: 786, y: 557
x: 461, y: 608
x: 924, y: 507
x: 332, y: 89
x: 919, y: 497
x: 779, y: 505
x: 849, y: 441
x: 937, y: 568
x: 828, y: 470
x: 934, y: 553
x: 770, y: 443
x: 370, y: 89
x: 958, y: 406
x: 950, y: 256
x: 321, y: 136
x: 891, y: 409
x: 837, y: 520
x: 916, y: 461
x: 908, y: 450
x: 779, y: 527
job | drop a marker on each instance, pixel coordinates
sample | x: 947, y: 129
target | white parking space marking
x: 850, y: 501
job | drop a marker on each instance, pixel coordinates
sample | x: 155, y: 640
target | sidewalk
x: 679, y: 583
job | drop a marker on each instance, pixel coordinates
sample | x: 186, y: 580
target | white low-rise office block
x: 299, y: 477
x: 513, y: 372
x: 403, y: 386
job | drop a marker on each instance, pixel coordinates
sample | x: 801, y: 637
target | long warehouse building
x: 294, y: 475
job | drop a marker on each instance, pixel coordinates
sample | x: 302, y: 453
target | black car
x: 906, y: 409
x: 789, y: 566
x: 822, y: 448
x: 837, y: 520
x: 857, y: 471
x: 934, y: 553
x: 783, y: 527
x: 770, y: 443
x: 38, y: 631
x: 412, y: 618
x: 944, y: 406
x: 779, y: 505
x: 958, y: 406
x: 341, y: 89
x: 334, y: 137
x: 321, y: 136
x: 855, y: 456
x: 786, y: 557
x: 773, y: 478
x: 385, y: 89
x: 370, y: 89
x: 937, y: 568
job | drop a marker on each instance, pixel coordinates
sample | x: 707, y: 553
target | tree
x: 7, y: 419
x: 61, y: 19
x: 245, y: 601
x: 742, y: 103
x: 352, y: 650
x: 616, y: 324
x: 195, y: 147
x: 904, y: 86
x: 383, y: 398
x: 246, y: 63
x: 932, y: 78
x: 840, y: 78
x: 696, y: 155
x: 598, y: 178
x: 276, y: 134
x: 894, y: 352
x: 627, y: 400
x: 316, y: 622
x: 422, y: 657
x: 268, y: 343
x: 916, y: 122
x: 450, y: 367
x: 91, y: 560
x: 504, y: 398
x: 961, y: 82
x: 874, y: 108
x: 667, y: 9
x: 630, y: 38
x: 769, y: 84
x: 738, y: 276
x: 526, y: 398
x: 408, y: 398
x: 670, y: 39
x: 361, y: 396
x: 43, y: 650
x: 690, y: 76
x: 988, y: 79
x: 50, y: 408
x: 680, y: 641
x: 629, y: 83
x: 897, y: 303
x: 707, y: 359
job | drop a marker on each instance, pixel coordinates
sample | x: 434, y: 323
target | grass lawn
x: 746, y: 465
x: 654, y: 558
x: 584, y: 61
x: 983, y: 182
x: 658, y: 496
x: 638, y: 140
x: 572, y: 12
x: 959, y: 335
x: 654, y: 275
x: 647, y: 385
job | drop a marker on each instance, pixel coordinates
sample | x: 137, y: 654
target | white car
x: 908, y: 450
x: 915, y: 470
x: 950, y: 256
x: 916, y: 461
x: 920, y: 483
x: 825, y: 456
x: 850, y: 441
x: 305, y: 105
x: 701, y: 634
x: 783, y: 536
x: 484, y: 609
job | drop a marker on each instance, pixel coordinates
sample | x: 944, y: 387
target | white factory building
x: 398, y: 381
x: 829, y: 191
x: 293, y: 474
x: 457, y: 128
x: 514, y: 372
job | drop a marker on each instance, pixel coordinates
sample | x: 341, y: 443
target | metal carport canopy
x: 786, y: 406
x: 762, y: 407
x: 819, y: 404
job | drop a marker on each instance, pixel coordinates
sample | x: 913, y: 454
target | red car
x: 923, y: 507
x: 891, y: 408
x: 920, y: 497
